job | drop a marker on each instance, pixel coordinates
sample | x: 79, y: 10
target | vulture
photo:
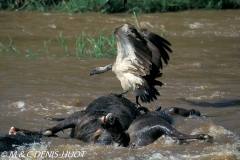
x: 139, y: 59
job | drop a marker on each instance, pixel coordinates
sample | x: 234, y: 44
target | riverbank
x: 143, y: 6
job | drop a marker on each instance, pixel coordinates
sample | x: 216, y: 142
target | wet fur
x: 149, y: 127
x: 86, y: 125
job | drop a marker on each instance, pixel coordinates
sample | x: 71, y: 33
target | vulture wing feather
x: 158, y: 45
x: 139, y: 59
x: 133, y: 50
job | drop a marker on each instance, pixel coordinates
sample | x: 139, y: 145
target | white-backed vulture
x: 138, y: 62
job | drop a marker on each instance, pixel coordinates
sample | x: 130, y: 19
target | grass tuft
x: 80, y: 45
x: 85, y: 46
x: 62, y: 41
x: 12, y: 47
x: 47, y: 45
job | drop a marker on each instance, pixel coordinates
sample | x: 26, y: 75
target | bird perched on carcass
x: 138, y: 62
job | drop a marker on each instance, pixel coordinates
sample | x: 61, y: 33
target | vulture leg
x: 138, y: 104
x: 140, y: 107
x: 120, y: 94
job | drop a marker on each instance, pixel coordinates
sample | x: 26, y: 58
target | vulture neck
x: 124, y: 48
x: 105, y: 69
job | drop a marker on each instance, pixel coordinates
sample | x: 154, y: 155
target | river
x: 202, y: 74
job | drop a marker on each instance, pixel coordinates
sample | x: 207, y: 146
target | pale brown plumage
x: 139, y: 59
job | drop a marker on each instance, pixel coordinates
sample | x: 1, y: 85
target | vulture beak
x: 95, y: 71
x: 92, y: 73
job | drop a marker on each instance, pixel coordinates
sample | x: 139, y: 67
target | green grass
x: 47, y: 45
x: 52, y: 5
x: 145, y: 6
x: 102, y: 46
x: 62, y: 41
x: 80, y: 45
x: 85, y: 46
x: 12, y: 47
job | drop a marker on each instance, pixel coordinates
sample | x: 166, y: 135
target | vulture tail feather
x: 147, y: 96
x: 158, y: 83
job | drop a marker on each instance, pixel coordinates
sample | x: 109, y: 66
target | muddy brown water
x: 203, y: 74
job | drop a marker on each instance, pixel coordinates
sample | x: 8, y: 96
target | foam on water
x: 20, y: 105
x: 196, y: 25
x: 53, y: 108
x: 225, y: 145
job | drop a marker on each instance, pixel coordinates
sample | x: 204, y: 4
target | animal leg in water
x: 54, y: 119
x: 66, y: 123
x: 180, y: 136
x: 17, y: 131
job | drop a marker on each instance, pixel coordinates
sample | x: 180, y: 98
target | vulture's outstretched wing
x: 158, y: 45
x: 133, y: 51
x: 142, y: 48
x: 139, y: 60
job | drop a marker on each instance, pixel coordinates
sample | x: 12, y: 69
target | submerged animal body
x: 138, y: 62
x: 149, y: 127
x: 85, y: 124
x: 145, y: 129
x: 180, y: 111
x: 17, y: 137
x: 109, y: 119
